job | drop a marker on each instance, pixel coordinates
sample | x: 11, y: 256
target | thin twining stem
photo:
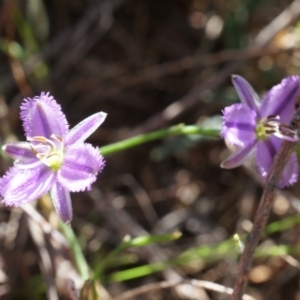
x: 263, y: 211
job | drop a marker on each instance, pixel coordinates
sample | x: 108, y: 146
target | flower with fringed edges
x: 258, y: 127
x: 53, y: 159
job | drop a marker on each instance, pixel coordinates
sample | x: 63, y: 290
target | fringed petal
x: 280, y: 100
x: 20, y: 186
x: 239, y: 125
x: 42, y: 116
x: 265, y: 154
x: 80, y: 167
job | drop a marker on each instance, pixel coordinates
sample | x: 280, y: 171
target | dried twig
x: 191, y: 99
x: 45, y: 259
x: 148, y: 74
x: 151, y: 287
x: 195, y: 61
x: 142, y: 198
x: 83, y: 40
x: 123, y: 222
x: 45, y: 226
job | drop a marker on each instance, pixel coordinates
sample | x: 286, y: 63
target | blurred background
x: 149, y: 65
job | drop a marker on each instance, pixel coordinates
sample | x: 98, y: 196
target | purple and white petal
x: 280, y: 100
x: 80, y: 167
x: 62, y: 202
x: 19, y: 186
x: 246, y: 93
x: 85, y: 128
x: 239, y: 157
x: 21, y: 151
x: 239, y: 125
x: 42, y: 116
x: 265, y: 154
x: 290, y: 172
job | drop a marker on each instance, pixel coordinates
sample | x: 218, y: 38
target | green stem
x: 180, y: 129
x: 79, y: 258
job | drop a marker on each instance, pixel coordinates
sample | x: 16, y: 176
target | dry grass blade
x: 151, y: 287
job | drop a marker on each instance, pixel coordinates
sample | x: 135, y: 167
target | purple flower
x: 258, y: 127
x: 53, y: 159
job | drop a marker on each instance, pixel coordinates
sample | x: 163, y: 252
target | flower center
x: 261, y: 130
x: 48, y: 151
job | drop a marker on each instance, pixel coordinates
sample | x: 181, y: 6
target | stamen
x: 33, y: 149
x: 281, y: 130
x: 54, y: 136
x: 273, y: 117
x: 270, y: 131
x: 40, y: 139
x: 268, y: 125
